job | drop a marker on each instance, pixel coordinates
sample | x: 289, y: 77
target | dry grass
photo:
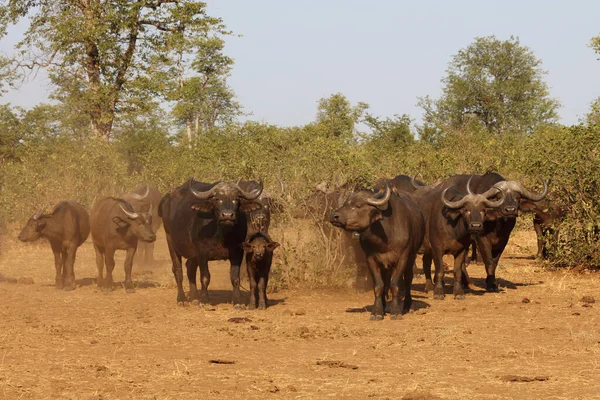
x: 92, y: 345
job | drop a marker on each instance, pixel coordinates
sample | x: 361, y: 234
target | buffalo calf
x: 115, y: 226
x: 259, y: 255
x: 66, y: 228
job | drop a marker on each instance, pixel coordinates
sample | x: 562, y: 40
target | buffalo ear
x: 204, y: 206
x: 451, y: 213
x: 492, y: 214
x: 249, y: 206
x: 121, y: 223
x: 375, y: 215
x: 247, y: 247
x: 272, y: 246
x: 527, y: 205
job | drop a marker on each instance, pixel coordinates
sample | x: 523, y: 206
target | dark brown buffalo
x: 259, y: 256
x: 492, y: 242
x: 116, y: 226
x: 145, y: 199
x: 452, y: 217
x: 205, y: 222
x: 391, y: 230
x: 547, y: 216
x: 66, y: 228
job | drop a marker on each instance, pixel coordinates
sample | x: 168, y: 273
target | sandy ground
x: 536, y: 339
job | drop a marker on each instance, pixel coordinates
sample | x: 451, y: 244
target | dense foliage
x: 494, y: 115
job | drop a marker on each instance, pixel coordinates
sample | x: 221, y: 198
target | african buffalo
x: 145, y: 198
x: 116, y: 226
x: 259, y: 256
x: 66, y: 228
x: 452, y: 217
x: 205, y: 222
x: 391, y: 230
x: 547, y: 216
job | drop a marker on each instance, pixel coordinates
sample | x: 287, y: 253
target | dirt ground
x: 536, y: 339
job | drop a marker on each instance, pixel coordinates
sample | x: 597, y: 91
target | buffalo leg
x: 69, y: 268
x: 438, y: 291
x: 263, y: 281
x: 394, y: 278
x: 459, y: 260
x: 128, y: 267
x: 191, y: 266
x: 177, y: 272
x: 234, y: 272
x: 378, y: 307
x: 407, y: 283
x: 427, y: 258
x: 99, y: 265
x: 541, y: 242
x: 252, y: 280
x: 148, y: 253
x: 485, y: 248
x: 58, y: 265
x: 204, y: 279
x: 109, y: 260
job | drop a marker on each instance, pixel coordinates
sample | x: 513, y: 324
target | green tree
x: 492, y: 83
x: 393, y: 131
x: 336, y: 116
x: 593, y: 117
x: 101, y: 54
x: 595, y: 44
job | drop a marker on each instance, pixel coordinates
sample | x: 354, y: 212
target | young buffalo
x: 66, y: 228
x: 115, y: 226
x: 259, y: 255
x: 391, y: 230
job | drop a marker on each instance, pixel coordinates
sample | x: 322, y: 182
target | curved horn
x: 253, y: 195
x: 38, y: 214
x: 469, y: 185
x: 141, y: 196
x: 382, y: 201
x: 132, y: 215
x: 453, y: 204
x: 413, y: 181
x: 497, y: 203
x: 532, y: 195
x: 201, y: 195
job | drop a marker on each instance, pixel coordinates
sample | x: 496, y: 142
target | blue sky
x: 386, y: 53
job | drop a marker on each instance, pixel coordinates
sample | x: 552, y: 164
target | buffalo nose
x: 334, y: 217
x: 475, y: 225
x: 227, y: 214
x: 510, y: 209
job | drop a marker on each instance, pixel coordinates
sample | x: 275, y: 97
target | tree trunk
x: 197, y: 124
x: 188, y: 126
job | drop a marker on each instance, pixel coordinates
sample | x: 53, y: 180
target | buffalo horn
x: 413, y: 181
x: 534, y: 196
x: 253, y: 194
x: 497, y: 203
x: 141, y: 196
x: 453, y: 204
x: 378, y: 202
x: 132, y: 215
x: 201, y: 195
x: 469, y: 185
x: 38, y: 214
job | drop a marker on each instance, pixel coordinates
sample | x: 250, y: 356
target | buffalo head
x: 360, y: 210
x: 258, y: 245
x: 34, y: 228
x: 474, y: 208
x: 139, y: 223
x: 515, y: 193
x: 224, y: 200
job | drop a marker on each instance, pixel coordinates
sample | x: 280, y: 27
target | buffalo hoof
x: 182, y: 303
x: 130, y: 290
x: 429, y: 287
x: 238, y: 306
x: 68, y: 288
x: 262, y: 306
x: 459, y: 297
x: 251, y: 307
x: 439, y: 296
x: 107, y: 289
x: 492, y: 289
x: 195, y: 302
x: 59, y: 286
x: 376, y: 317
x: 395, y: 317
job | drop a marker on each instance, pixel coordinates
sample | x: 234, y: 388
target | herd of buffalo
x: 391, y: 224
